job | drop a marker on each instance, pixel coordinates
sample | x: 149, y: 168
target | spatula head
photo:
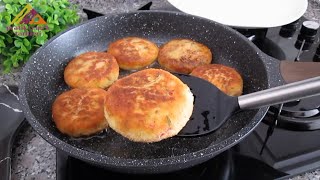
x: 211, y: 106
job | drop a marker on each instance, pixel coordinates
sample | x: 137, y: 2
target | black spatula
x: 212, y: 107
x: 11, y: 117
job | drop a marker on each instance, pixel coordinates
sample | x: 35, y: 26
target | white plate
x: 245, y: 13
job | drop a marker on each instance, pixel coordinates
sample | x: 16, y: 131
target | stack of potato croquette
x: 148, y: 105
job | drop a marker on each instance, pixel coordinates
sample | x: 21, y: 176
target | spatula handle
x: 281, y: 94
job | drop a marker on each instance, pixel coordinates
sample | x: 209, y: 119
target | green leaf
x: 26, y: 58
x: 26, y: 42
x: 56, y: 22
x: 22, y: 2
x: 7, y: 65
x: 55, y: 17
x: 62, y: 21
x: 5, y: 52
x: 41, y: 39
x: 4, y: 13
x: 2, y: 44
x: 62, y: 5
x: 8, y: 19
x: 51, y: 26
x: 36, y: 1
x: 56, y: 5
x: 42, y: 9
x: 36, y: 46
x: 14, y: 59
x: 8, y: 7
x: 16, y: 9
x: 15, y: 64
x: 3, y: 28
x: 49, y: 19
x: 13, y: 49
x: 50, y: 10
x: 66, y: 18
x: 8, y: 38
x: 17, y: 43
x: 7, y: 1
x: 24, y: 49
x: 57, y: 29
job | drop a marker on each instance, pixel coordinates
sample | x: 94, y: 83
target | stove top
x: 228, y: 165
x: 292, y: 145
x: 290, y: 131
x: 283, y: 43
x: 292, y: 134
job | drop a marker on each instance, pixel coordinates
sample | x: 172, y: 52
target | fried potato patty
x: 79, y: 111
x: 133, y: 53
x: 183, y: 55
x: 91, y: 70
x: 149, y: 105
x: 227, y: 79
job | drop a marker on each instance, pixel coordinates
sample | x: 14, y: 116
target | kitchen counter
x: 34, y: 158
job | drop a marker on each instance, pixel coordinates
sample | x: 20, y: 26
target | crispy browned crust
x: 149, y: 105
x: 91, y: 69
x: 80, y: 111
x: 134, y: 52
x: 227, y: 79
x: 183, y: 55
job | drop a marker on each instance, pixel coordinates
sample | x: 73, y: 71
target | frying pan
x: 42, y: 80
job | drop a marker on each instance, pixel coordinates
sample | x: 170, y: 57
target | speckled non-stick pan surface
x: 42, y: 80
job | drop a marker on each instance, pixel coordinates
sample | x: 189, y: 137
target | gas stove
x: 287, y: 138
x: 283, y: 145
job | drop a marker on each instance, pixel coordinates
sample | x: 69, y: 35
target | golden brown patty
x: 227, y: 79
x: 80, y: 111
x: 183, y: 55
x: 133, y: 52
x: 92, y: 69
x: 149, y: 105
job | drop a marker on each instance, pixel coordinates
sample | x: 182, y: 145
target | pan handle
x: 282, y: 72
x: 296, y: 71
x: 281, y: 94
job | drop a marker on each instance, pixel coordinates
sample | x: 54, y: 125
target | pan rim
x: 150, y: 164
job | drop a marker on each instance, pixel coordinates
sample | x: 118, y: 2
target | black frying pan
x: 42, y: 80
